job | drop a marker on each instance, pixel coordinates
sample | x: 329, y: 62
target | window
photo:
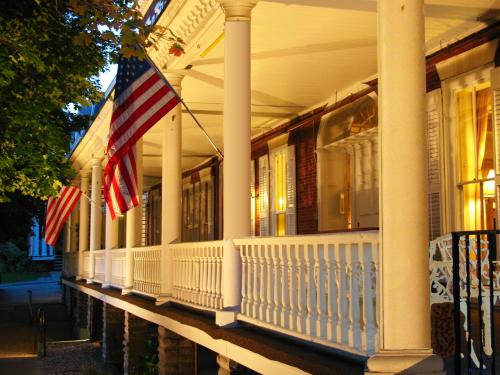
x: 198, y: 207
x: 277, y: 192
x: 476, y: 157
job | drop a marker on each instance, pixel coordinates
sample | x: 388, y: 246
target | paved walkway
x: 65, y: 355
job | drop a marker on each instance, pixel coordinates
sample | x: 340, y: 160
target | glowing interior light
x: 489, y: 186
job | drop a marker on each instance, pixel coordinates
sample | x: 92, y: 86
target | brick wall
x: 304, y: 140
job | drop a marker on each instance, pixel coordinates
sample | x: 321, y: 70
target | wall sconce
x: 489, y: 186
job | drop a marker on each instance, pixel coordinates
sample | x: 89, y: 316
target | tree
x: 50, y: 53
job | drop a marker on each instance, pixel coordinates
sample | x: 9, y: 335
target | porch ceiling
x: 304, y: 53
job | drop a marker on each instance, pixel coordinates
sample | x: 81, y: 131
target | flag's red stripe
x: 58, y: 211
x: 62, y: 216
x: 152, y: 100
x: 136, y: 94
x: 59, y: 203
x: 145, y: 127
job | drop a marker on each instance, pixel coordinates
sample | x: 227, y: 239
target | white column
x: 83, y: 241
x: 95, y: 213
x: 236, y: 134
x: 171, y: 187
x: 67, y: 235
x: 133, y: 224
x: 405, y: 309
x: 75, y: 219
x: 111, y: 239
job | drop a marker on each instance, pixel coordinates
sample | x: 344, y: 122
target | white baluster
x: 277, y: 284
x: 369, y: 296
x: 220, y: 254
x: 302, y: 289
x: 270, y: 285
x: 285, y: 286
x: 356, y: 252
x: 320, y: 266
x: 244, y: 279
x: 255, y: 284
x: 262, y: 282
x: 311, y: 289
x: 344, y: 297
x: 293, y: 280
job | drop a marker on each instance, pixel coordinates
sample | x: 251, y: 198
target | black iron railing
x: 474, y: 256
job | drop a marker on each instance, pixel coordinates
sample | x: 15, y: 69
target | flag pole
x: 212, y: 143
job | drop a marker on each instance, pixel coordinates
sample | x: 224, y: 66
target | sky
x: 106, y: 78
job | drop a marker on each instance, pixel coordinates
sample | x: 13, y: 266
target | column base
x: 226, y: 318
x: 78, y: 278
x: 162, y: 299
x: 105, y: 285
x: 126, y: 290
x: 89, y: 281
x: 421, y: 362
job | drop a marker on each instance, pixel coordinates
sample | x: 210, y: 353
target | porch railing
x: 99, y: 266
x: 85, y: 265
x: 197, y: 273
x: 146, y: 270
x: 321, y: 288
x: 118, y: 267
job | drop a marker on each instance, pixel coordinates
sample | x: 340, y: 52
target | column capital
x: 96, y: 161
x: 175, y: 78
x: 238, y: 10
x: 84, y: 173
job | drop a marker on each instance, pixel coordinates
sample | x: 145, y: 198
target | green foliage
x: 149, y: 363
x: 12, y: 259
x: 50, y: 53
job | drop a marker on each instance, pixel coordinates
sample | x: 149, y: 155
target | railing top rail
x: 196, y: 244
x: 345, y: 237
x: 117, y: 250
x: 475, y: 232
x: 147, y: 248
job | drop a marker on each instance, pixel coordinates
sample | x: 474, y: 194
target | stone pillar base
x: 408, y: 362
x: 112, y: 340
x: 175, y: 354
x: 136, y: 344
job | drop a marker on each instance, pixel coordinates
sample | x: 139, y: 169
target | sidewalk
x: 17, y: 349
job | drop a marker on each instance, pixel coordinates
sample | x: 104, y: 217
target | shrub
x: 12, y: 259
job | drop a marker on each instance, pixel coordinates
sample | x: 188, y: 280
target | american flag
x: 142, y: 97
x: 58, y: 210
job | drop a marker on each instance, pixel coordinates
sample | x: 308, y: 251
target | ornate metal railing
x: 465, y: 274
x: 321, y: 288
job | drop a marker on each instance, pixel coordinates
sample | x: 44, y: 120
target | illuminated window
x: 476, y: 169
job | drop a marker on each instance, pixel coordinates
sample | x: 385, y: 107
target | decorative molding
x: 185, y: 19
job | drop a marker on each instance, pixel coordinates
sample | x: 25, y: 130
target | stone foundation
x: 175, y: 354
x: 139, y: 345
x: 112, y: 338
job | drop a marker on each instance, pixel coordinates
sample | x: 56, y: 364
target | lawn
x: 14, y: 277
